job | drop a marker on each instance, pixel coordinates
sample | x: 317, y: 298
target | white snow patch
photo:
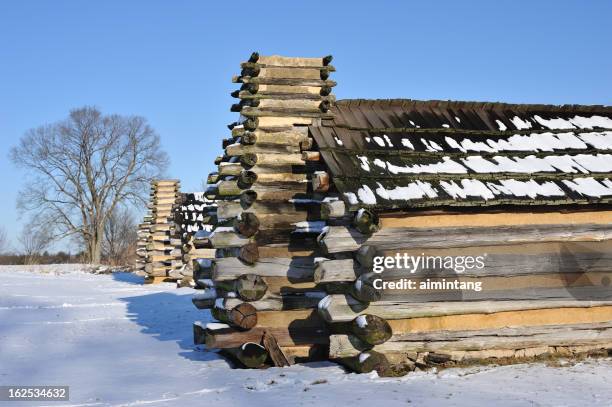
x: 157, y: 322
x: 365, y: 164
x: 590, y: 186
x: 554, y: 124
x: 531, y: 188
x: 361, y: 320
x: 406, y: 143
x: 520, y: 123
x: 431, y: 146
x: 325, y: 302
x: 216, y: 325
x: 468, y: 187
x: 501, y: 125
x: 414, y: 190
x: 446, y: 166
x: 366, y: 195
x: 352, y: 198
x: 379, y: 141
x: 601, y: 141
x: 591, y: 122
x: 363, y: 357
x: 388, y: 140
x: 338, y: 141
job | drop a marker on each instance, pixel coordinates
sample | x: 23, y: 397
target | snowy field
x: 116, y: 342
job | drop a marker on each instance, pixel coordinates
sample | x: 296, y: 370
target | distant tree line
x: 118, y: 249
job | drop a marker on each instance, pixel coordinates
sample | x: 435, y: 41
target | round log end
x: 325, y: 91
x: 247, y: 198
x: 326, y: 59
x: 371, y: 329
x: 251, y: 287
x: 249, y: 253
x: 251, y: 123
x: 246, y: 179
x: 248, y: 224
x: 363, y: 289
x: 248, y: 138
x: 252, y: 355
x: 366, y: 221
x: 243, y: 316
x: 369, y: 361
x: 324, y: 106
x: 248, y: 159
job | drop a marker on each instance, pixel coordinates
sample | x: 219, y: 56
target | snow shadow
x: 129, y: 278
x: 169, y: 316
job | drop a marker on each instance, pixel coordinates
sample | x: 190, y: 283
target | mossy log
x: 249, y: 287
x: 250, y: 355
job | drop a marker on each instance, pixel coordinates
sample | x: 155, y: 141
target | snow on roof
x: 405, y: 153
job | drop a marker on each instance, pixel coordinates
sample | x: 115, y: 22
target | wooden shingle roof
x: 396, y: 154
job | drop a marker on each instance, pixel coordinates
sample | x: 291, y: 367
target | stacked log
x: 144, y: 230
x: 164, y: 245
x: 194, y: 214
x: 544, y: 289
x: 269, y: 190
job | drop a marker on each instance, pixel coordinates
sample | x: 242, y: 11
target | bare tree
x: 82, y: 168
x: 3, y: 240
x: 34, y: 240
x: 120, y: 236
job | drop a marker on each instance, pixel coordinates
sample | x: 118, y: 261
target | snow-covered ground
x: 117, y: 342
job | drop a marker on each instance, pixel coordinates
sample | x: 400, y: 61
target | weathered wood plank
x: 338, y: 308
x: 502, y: 338
x: 528, y: 317
x: 295, y: 269
x: 339, y: 238
x: 229, y: 337
x: 495, y: 219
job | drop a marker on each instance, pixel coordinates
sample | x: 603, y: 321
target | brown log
x: 276, y: 354
x: 311, y: 156
x: 320, y: 181
x: 249, y: 253
x: 242, y: 316
x: 248, y: 224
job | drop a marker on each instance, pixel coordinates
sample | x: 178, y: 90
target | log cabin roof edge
x: 404, y: 153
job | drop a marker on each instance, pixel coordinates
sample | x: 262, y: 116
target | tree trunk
x: 95, y: 246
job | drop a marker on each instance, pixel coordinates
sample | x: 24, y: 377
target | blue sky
x: 172, y: 61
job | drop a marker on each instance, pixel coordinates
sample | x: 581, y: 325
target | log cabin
x: 312, y: 193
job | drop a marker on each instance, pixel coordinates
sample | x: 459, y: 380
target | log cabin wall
x: 269, y: 189
x: 528, y: 186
